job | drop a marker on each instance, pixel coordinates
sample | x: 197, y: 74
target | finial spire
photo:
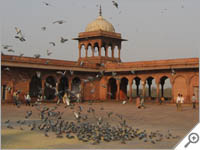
x: 100, y: 12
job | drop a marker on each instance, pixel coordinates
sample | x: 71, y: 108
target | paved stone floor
x: 154, y: 117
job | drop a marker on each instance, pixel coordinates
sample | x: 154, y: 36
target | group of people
x: 180, y: 101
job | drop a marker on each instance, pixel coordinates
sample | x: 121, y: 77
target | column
x: 79, y: 52
x: 143, y: 88
x: 119, y: 53
x: 157, y: 91
x: 99, y: 50
x: 92, y: 51
x: 113, y: 52
x: 130, y: 91
x: 86, y: 52
x: 70, y: 84
x: 118, y: 90
x: 43, y: 87
x: 106, y: 49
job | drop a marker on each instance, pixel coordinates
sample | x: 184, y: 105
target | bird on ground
x: 37, y: 55
x: 11, y: 50
x: 62, y: 40
x: 43, y: 28
x: 49, y: 53
x: 59, y: 21
x: 6, y: 46
x: 115, y: 4
x: 53, y: 43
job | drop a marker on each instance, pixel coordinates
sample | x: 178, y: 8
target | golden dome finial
x: 100, y: 12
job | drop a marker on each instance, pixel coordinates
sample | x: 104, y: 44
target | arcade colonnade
x: 105, y: 49
x: 120, y: 87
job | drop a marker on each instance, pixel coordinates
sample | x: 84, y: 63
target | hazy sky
x: 155, y: 29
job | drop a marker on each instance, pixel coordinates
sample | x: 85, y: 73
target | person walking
x: 178, y: 101
x: 193, y: 101
x: 27, y: 99
x: 181, y: 101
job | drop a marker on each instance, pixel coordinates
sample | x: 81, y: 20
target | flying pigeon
x: 59, y: 22
x: 62, y: 40
x: 115, y: 4
x: 52, y: 43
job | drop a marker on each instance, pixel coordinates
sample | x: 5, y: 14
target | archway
x: 165, y: 88
x: 103, y: 51
x: 112, y: 88
x: 123, y: 88
x: 76, y: 82
x: 83, y: 51
x: 180, y: 86
x: 63, y: 85
x: 150, y: 88
x: 116, y: 52
x: 194, y: 87
x: 136, y: 88
x: 35, y: 86
x: 50, y: 85
x: 109, y: 51
x: 89, y: 51
x: 96, y: 49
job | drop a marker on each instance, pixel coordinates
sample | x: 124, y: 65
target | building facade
x: 99, y: 73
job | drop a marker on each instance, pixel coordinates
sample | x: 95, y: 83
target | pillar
x: 92, y: 51
x: 113, y: 52
x: 70, y: 83
x: 119, y: 53
x: 86, y: 52
x: 143, y: 88
x: 130, y: 91
x: 149, y: 81
x: 106, y: 49
x: 79, y: 52
x: 43, y: 87
x: 118, y: 90
x: 157, y: 91
x: 99, y: 50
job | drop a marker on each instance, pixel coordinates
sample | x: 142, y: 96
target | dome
x: 100, y: 24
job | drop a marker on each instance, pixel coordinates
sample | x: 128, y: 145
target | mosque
x: 99, y: 73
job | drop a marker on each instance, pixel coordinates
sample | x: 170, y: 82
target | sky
x: 155, y: 29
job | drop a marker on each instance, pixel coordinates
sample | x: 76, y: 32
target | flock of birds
x: 87, y: 125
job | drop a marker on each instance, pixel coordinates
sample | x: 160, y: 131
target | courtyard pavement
x: 154, y: 117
